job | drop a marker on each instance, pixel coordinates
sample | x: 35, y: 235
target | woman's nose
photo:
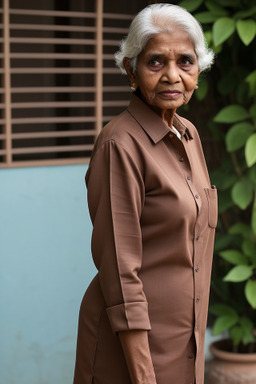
x: 171, y: 74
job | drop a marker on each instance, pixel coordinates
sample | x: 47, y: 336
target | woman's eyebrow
x: 189, y: 55
x: 155, y: 55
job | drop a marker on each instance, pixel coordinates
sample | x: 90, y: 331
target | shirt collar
x: 152, y: 124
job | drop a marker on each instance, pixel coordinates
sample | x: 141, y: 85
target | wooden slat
x: 51, y: 27
x: 59, y: 41
x: 109, y: 89
x: 54, y: 104
x: 73, y: 70
x: 46, y: 89
x: 117, y: 16
x: 65, y: 28
x: 53, y: 149
x: 57, y: 56
x: 113, y: 16
x: 89, y: 15
x: 51, y: 40
x: 40, y: 135
x: 65, y: 104
x: 48, y: 120
x: 45, y: 163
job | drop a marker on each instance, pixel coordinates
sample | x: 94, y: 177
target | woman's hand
x: 138, y: 357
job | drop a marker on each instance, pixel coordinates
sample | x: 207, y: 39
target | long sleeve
x: 138, y: 357
x: 116, y: 197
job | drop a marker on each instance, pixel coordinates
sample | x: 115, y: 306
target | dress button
x: 191, y: 356
x: 188, y: 177
x: 181, y: 159
x: 196, y: 196
x: 197, y: 238
x: 197, y: 269
x: 197, y: 299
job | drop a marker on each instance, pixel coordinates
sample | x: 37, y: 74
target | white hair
x: 157, y: 18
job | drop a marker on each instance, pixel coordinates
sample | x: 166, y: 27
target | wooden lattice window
x: 59, y: 81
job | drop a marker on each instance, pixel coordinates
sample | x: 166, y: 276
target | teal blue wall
x: 45, y: 267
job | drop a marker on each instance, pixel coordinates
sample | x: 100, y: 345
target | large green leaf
x: 237, y: 135
x: 190, y: 5
x: 246, y: 30
x: 251, y: 79
x: 250, y: 150
x: 245, y: 13
x: 238, y: 273
x: 249, y: 247
x: 222, y: 310
x: 236, y: 334
x: 205, y: 17
x: 228, y: 3
x: 252, y: 174
x: 254, y: 215
x: 253, y: 112
x: 223, y: 28
x: 240, y: 228
x: 250, y: 292
x: 247, y: 327
x: 222, y: 241
x: 242, y: 193
x: 223, y: 323
x: 234, y: 257
x: 216, y: 9
x: 231, y: 114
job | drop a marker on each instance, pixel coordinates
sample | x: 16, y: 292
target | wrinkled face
x: 167, y: 71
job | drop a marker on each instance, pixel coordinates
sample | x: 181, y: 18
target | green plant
x: 227, y: 107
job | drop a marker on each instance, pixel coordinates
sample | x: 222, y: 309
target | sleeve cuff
x: 129, y: 316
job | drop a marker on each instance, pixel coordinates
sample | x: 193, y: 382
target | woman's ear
x: 130, y: 74
x: 128, y: 68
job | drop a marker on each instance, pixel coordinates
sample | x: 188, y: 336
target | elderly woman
x: 154, y: 211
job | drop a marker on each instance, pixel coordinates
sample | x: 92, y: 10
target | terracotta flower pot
x: 230, y: 368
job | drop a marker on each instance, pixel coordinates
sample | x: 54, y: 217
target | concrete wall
x: 45, y: 267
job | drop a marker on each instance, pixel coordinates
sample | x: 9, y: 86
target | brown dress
x: 154, y: 214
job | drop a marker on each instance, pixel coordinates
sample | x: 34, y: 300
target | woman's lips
x: 171, y: 95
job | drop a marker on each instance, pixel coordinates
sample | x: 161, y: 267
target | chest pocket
x: 212, y: 198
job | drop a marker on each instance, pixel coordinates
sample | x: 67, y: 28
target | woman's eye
x: 186, y: 61
x: 155, y: 63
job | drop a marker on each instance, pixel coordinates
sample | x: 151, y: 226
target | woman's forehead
x: 167, y: 42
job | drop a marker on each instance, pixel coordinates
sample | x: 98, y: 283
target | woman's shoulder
x: 123, y: 130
